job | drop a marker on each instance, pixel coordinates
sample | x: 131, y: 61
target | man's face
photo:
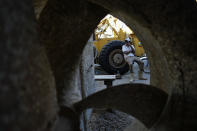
x: 127, y: 43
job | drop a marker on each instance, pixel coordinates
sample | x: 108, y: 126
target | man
x: 129, y: 55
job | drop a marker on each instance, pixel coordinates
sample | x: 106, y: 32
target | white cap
x: 127, y: 39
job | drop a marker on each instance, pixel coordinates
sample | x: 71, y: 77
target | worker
x: 128, y: 50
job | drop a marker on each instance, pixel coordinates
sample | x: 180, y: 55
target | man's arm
x: 133, y: 49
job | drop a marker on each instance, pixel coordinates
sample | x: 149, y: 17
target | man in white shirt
x: 129, y: 55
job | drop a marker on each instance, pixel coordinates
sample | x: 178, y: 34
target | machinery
x: 109, y: 38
